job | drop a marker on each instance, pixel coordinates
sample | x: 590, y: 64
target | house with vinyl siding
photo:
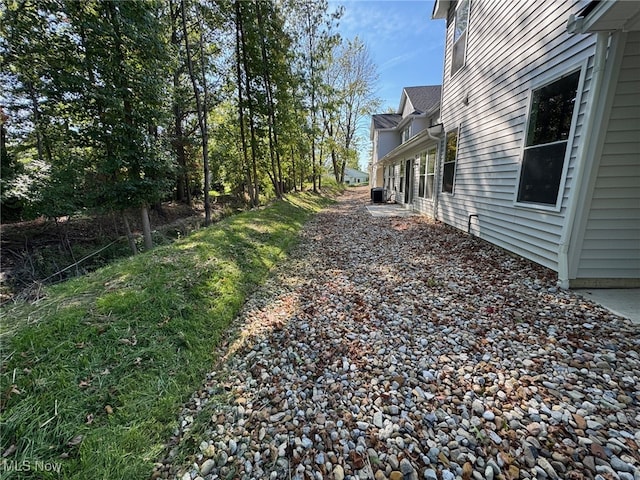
x: 404, y: 152
x: 540, y: 145
x: 355, y: 177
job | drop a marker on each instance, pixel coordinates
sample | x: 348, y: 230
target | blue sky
x: 406, y: 45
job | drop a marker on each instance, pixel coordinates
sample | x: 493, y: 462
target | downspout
x: 600, y: 58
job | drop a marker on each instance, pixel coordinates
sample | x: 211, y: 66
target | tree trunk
x: 202, y: 122
x: 336, y: 167
x: 130, y: 237
x: 293, y: 169
x: 271, y: 117
x: 178, y: 142
x: 205, y: 135
x: 182, y: 182
x: 320, y: 156
x: 252, y: 130
x: 146, y: 228
x: 243, y: 135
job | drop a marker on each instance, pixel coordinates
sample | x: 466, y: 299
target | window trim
x: 452, y: 74
x: 457, y: 129
x: 433, y: 175
x: 547, y: 79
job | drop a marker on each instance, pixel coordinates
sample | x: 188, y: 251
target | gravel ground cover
x: 398, y: 348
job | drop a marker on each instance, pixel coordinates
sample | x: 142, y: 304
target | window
x: 550, y: 119
x: 406, y: 133
x: 431, y: 170
x: 401, y: 176
x: 427, y: 173
x: 458, y: 52
x: 392, y: 177
x: 449, y: 166
x: 423, y: 174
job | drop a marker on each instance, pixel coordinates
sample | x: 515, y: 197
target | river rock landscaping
x: 401, y: 348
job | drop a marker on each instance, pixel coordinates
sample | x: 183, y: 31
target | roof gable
x: 424, y: 99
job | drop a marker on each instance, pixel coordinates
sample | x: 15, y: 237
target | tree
x: 113, y: 101
x: 311, y: 27
x: 199, y: 82
x: 350, y: 97
x: 92, y: 77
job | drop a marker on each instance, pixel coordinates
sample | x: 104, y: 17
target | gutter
x: 600, y: 59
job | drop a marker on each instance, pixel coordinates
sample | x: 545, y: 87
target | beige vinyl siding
x: 512, y: 47
x: 611, y: 245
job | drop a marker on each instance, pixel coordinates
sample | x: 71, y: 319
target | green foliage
x: 102, y: 111
x: 94, y: 373
x: 91, y: 79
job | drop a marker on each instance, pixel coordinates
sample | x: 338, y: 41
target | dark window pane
x: 421, y: 186
x: 457, y: 57
x: 449, y: 166
x: 541, y: 173
x: 552, y: 110
x: 447, y: 177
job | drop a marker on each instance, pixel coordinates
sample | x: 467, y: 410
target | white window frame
x: 548, y: 79
x: 464, y: 34
x: 406, y: 133
x: 458, y: 129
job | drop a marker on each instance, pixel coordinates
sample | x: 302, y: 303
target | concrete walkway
x: 624, y: 302
x: 379, y: 210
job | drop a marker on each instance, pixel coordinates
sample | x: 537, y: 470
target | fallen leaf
x: 108, y: 409
x: 77, y: 440
x: 85, y: 383
x: 356, y: 459
x: 89, y: 419
x: 9, y: 451
x: 133, y: 341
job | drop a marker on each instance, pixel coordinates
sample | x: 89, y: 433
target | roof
x: 386, y: 120
x: 440, y: 9
x: 352, y: 172
x: 424, y: 99
x: 600, y: 16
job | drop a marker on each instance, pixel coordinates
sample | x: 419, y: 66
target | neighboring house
x: 355, y: 177
x: 540, y: 150
x: 404, y: 151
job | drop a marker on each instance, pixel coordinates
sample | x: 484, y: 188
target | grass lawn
x: 94, y: 373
